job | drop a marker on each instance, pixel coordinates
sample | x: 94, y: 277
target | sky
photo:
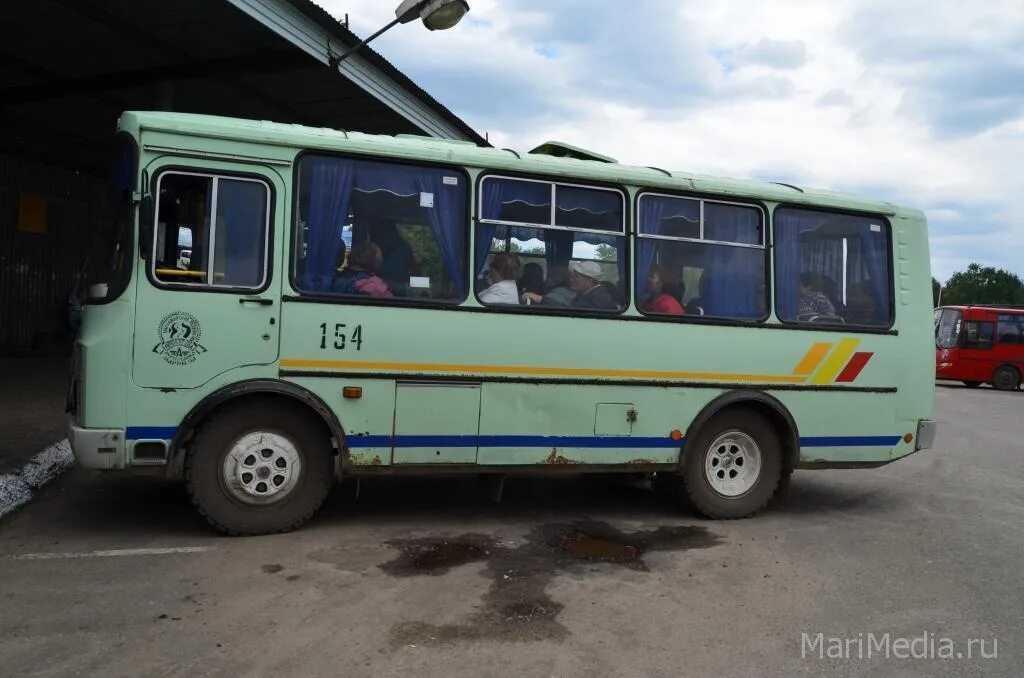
x: 919, y: 102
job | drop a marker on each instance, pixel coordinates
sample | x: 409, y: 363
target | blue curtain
x: 733, y: 283
x: 447, y: 218
x: 241, y: 232
x: 874, y: 247
x: 788, y: 224
x: 651, y: 212
x: 654, y: 210
x: 330, y: 188
x: 588, y: 208
x: 331, y: 183
x: 496, y: 194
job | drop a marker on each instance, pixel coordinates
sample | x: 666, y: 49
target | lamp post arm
x: 336, y: 60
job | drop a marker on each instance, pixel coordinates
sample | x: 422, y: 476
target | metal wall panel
x: 39, y: 271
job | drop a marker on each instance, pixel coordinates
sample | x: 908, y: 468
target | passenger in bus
x: 558, y: 292
x: 360, y: 276
x: 663, y: 293
x: 813, y: 301
x: 399, y: 261
x: 591, y: 293
x: 504, y: 273
x: 532, y: 279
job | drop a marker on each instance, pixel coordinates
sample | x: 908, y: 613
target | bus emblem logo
x: 179, y: 338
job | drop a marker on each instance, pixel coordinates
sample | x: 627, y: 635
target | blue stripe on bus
x: 150, y: 432
x: 596, y: 442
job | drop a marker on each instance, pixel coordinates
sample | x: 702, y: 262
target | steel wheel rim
x: 732, y: 464
x: 262, y: 468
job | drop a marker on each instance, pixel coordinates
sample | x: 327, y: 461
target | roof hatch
x: 561, y: 150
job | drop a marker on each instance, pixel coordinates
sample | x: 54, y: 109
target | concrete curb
x: 16, y: 488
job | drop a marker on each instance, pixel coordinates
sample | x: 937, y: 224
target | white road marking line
x: 112, y: 553
x: 16, y: 488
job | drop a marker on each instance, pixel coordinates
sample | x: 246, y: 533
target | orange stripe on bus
x: 842, y: 353
x: 550, y: 371
x: 813, y: 358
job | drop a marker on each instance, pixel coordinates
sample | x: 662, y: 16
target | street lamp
x: 437, y: 15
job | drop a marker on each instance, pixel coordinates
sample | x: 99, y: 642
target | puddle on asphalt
x: 517, y: 607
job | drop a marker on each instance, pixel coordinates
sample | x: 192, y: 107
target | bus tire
x: 259, y: 467
x: 1006, y: 378
x: 734, y: 465
x: 972, y: 384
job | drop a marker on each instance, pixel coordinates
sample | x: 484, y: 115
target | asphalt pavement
x: 103, y: 574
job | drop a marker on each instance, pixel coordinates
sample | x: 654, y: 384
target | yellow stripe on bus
x: 813, y: 358
x: 550, y: 371
x: 839, y: 357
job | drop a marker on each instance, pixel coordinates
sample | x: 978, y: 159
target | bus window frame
x: 268, y: 246
x: 299, y: 295
x: 890, y: 328
x: 554, y: 311
x: 965, y: 341
x: 765, y: 245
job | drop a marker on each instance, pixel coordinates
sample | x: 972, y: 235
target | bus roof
x: 298, y: 137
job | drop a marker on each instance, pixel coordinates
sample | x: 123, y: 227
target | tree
x: 983, y: 285
x: 936, y: 292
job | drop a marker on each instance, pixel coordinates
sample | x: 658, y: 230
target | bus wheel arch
x: 1006, y: 378
x: 251, y: 391
x: 751, y: 436
x: 764, y: 404
x: 259, y: 464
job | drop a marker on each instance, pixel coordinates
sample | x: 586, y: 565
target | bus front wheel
x: 259, y: 467
x: 1006, y: 378
x: 734, y: 465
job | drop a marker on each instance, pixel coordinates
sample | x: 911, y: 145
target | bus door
x: 210, y: 302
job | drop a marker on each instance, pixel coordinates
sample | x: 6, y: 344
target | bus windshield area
x: 947, y: 328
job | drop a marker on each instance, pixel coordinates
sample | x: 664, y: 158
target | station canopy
x: 68, y: 68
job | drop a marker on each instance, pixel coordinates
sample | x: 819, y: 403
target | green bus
x: 289, y: 306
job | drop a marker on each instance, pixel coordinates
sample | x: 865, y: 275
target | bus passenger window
x: 382, y: 230
x: 978, y: 334
x: 699, y: 257
x: 569, y: 242
x: 832, y: 268
x: 1011, y: 328
x: 193, y: 246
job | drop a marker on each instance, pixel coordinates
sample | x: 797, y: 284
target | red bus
x: 980, y: 345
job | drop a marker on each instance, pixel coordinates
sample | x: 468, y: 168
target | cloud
x: 912, y: 101
x: 782, y: 54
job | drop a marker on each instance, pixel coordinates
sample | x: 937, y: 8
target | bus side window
x: 978, y: 334
x: 195, y: 247
x: 832, y: 268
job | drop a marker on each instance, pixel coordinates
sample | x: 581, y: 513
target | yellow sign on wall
x: 31, y: 213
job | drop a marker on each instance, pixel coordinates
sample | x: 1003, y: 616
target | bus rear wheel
x: 259, y: 467
x: 734, y: 465
x: 1006, y: 378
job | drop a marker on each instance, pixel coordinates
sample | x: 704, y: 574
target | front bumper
x: 100, y: 448
x: 926, y: 430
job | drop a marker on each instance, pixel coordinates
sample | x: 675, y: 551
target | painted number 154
x: 342, y: 339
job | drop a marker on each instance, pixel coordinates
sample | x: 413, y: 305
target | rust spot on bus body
x: 556, y: 459
x: 358, y: 459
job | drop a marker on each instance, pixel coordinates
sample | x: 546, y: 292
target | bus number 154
x: 342, y: 339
